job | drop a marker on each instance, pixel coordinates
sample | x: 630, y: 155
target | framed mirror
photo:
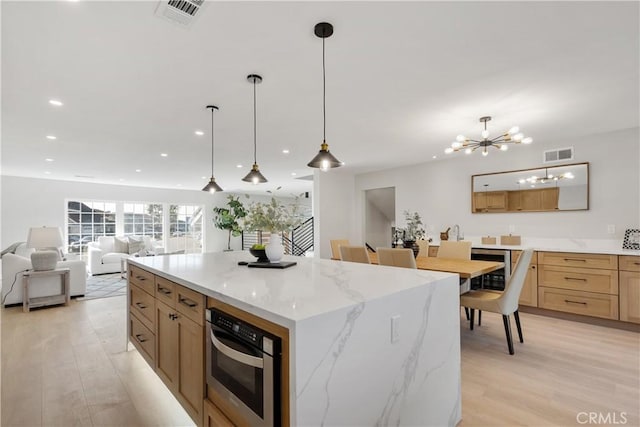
x: 544, y: 189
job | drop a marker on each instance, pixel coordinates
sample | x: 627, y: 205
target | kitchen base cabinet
x: 578, y: 302
x: 213, y: 417
x: 529, y: 293
x: 630, y: 288
x: 166, y: 325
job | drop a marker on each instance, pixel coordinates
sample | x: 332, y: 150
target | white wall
x: 378, y: 227
x: 441, y: 191
x: 32, y: 202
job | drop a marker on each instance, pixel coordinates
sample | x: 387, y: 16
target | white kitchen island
x: 345, y: 367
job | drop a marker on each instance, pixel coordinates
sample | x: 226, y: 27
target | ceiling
x: 402, y: 80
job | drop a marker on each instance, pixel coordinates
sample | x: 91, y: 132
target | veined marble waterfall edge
x: 349, y: 373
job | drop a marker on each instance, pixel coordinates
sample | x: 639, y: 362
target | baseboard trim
x: 626, y: 326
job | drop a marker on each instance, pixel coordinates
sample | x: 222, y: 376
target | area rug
x: 105, y: 286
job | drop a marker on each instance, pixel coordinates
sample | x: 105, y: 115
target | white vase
x: 274, y: 249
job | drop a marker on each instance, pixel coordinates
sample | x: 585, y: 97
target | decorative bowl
x: 261, y: 254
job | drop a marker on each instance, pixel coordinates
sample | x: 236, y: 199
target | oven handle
x: 236, y: 355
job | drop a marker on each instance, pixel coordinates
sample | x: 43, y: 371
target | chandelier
x: 547, y: 178
x: 512, y: 136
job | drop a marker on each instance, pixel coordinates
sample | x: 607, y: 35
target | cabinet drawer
x: 190, y: 303
x: 143, y: 305
x: 579, y: 279
x: 166, y: 291
x: 142, y: 338
x: 586, y: 303
x: 142, y: 278
x: 629, y: 263
x: 567, y: 259
x: 213, y: 417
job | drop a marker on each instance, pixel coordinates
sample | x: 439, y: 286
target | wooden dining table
x: 466, y: 268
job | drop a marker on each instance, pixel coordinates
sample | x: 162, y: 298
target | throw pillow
x: 120, y: 245
x: 135, y: 245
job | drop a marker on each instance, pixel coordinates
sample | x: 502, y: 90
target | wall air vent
x: 180, y: 12
x: 558, y: 155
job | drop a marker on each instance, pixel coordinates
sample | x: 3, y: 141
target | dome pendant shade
x: 254, y: 176
x: 324, y: 159
x: 212, y: 186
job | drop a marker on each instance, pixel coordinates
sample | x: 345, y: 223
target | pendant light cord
x: 254, y: 122
x: 324, y: 101
x: 212, y: 142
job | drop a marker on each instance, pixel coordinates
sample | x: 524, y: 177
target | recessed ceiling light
x: 199, y: 133
x: 121, y: 179
x: 48, y: 160
x: 435, y: 157
x: 138, y: 170
x: 285, y: 151
x: 47, y: 173
x: 293, y: 174
x: 56, y: 102
x: 178, y: 185
x: 203, y: 177
x: 51, y: 137
x: 238, y: 166
x: 164, y: 154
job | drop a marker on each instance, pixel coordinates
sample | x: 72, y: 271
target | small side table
x: 62, y: 298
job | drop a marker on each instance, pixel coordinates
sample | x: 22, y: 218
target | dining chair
x: 424, y: 248
x: 335, y: 247
x: 457, y: 250
x: 396, y: 257
x: 506, y: 302
x: 354, y: 254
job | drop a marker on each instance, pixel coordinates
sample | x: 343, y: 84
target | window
x: 143, y: 219
x: 86, y: 221
x: 185, y: 229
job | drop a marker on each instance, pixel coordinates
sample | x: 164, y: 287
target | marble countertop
x: 285, y: 296
x: 593, y: 246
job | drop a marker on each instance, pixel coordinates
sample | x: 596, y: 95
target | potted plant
x: 227, y: 218
x: 274, y: 217
x: 413, y: 230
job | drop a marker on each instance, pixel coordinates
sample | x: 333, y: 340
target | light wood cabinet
x: 579, y: 283
x: 630, y: 288
x: 490, y: 201
x: 180, y: 353
x: 166, y: 325
x: 529, y: 293
x: 533, y: 200
x: 213, y: 417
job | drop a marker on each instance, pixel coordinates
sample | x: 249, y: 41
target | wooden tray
x: 488, y: 240
x: 510, y: 240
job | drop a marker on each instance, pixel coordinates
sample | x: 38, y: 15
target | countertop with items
x: 593, y: 246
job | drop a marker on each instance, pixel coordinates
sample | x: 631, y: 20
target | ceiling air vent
x: 179, y: 11
x: 558, y: 155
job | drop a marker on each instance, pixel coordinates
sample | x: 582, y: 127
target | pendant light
x: 254, y: 177
x: 212, y: 186
x: 324, y: 159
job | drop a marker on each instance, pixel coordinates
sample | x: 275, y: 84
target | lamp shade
x: 45, y: 237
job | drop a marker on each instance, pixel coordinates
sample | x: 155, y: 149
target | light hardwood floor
x: 68, y: 366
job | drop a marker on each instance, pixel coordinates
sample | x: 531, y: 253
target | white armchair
x: 13, y: 265
x: 105, y: 255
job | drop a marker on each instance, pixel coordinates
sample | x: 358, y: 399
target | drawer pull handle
x: 636, y: 263
x: 141, y: 278
x: 574, y: 302
x: 141, y: 306
x: 173, y: 316
x: 140, y: 338
x: 575, y: 278
x: 188, y: 302
x: 164, y: 290
x: 575, y: 259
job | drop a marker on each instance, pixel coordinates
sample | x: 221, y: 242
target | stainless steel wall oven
x: 496, y: 279
x: 243, y: 367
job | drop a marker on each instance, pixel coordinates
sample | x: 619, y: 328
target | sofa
x: 13, y: 264
x: 105, y: 255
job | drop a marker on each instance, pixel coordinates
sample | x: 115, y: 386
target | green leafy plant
x: 414, y: 229
x: 273, y: 216
x: 228, y: 218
